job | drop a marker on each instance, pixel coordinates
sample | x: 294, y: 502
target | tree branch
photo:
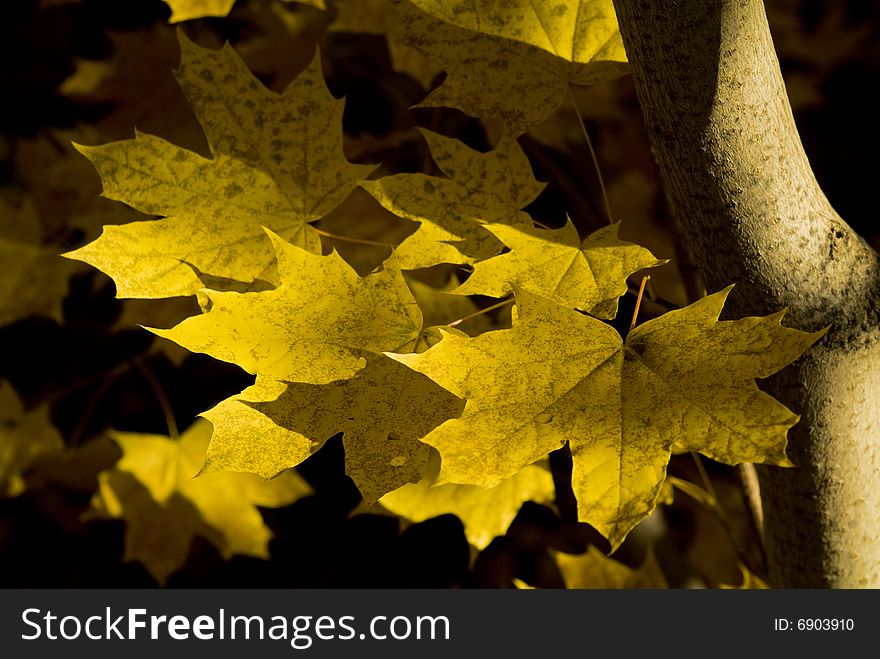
x: 740, y: 184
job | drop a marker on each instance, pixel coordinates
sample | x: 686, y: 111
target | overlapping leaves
x: 317, y: 326
x: 327, y: 345
x: 382, y: 412
x: 315, y: 343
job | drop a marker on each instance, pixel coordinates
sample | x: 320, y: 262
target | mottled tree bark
x: 739, y: 182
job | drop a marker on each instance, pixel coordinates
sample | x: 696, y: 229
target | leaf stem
x: 497, y: 305
x: 79, y: 431
x: 161, y: 397
x: 349, y: 239
x: 661, y: 305
x: 639, y: 301
x: 704, y: 475
x: 589, y: 142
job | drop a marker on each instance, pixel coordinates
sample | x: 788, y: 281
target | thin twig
x: 592, y: 155
x: 658, y: 302
x: 704, y: 475
x: 349, y: 239
x: 76, y: 385
x: 89, y: 410
x: 161, y: 397
x: 560, y: 176
x: 748, y: 478
x: 497, y: 305
x: 711, y: 502
x: 635, y: 317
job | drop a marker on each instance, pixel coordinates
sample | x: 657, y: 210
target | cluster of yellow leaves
x: 154, y: 489
x: 334, y: 352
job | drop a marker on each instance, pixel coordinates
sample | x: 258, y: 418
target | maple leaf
x: 485, y: 513
x: 557, y: 375
x: 553, y: 263
x: 155, y: 490
x: 596, y: 570
x: 25, y: 437
x: 513, y: 59
x: 316, y: 327
x: 479, y: 188
x: 34, y: 279
x: 277, y: 161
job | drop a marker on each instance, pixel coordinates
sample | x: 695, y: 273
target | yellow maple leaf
x: 553, y: 263
x: 155, y: 489
x: 513, y: 59
x: 596, y: 570
x: 485, y: 513
x: 319, y: 325
x: 25, y: 436
x: 478, y: 188
x: 260, y: 174
x: 557, y: 375
x: 34, y: 279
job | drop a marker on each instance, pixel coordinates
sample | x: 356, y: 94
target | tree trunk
x: 739, y: 182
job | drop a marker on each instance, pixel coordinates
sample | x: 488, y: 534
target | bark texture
x: 738, y: 180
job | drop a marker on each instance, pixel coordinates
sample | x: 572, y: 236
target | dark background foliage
x: 96, y: 374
